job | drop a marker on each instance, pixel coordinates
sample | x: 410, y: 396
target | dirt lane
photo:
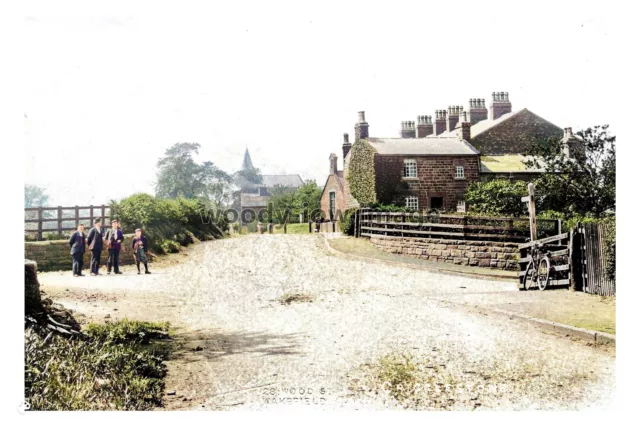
x: 255, y: 353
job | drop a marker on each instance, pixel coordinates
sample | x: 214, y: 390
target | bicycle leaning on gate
x: 538, y: 270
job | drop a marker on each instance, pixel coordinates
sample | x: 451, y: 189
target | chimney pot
x: 346, y: 138
x: 361, y: 116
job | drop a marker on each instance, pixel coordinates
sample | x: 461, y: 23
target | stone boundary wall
x: 498, y: 255
x: 54, y: 255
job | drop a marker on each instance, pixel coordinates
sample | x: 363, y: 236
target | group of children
x: 112, y: 239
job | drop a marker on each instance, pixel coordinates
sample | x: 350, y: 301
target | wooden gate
x: 592, y: 261
x: 559, y: 250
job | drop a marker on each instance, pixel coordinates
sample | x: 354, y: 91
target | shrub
x: 347, y: 223
x: 497, y: 197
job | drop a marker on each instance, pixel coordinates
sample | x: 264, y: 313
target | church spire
x: 246, y: 163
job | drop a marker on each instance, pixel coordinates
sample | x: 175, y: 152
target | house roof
x: 253, y: 200
x: 293, y: 181
x: 509, y: 163
x: 428, y: 146
x: 483, y: 125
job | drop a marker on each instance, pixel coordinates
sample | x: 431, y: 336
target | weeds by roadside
x: 115, y: 368
x: 289, y: 298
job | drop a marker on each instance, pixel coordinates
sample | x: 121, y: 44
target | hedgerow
x: 169, y: 223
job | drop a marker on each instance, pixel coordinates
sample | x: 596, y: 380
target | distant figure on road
x: 94, y: 240
x: 140, y: 247
x: 114, y: 239
x: 78, y: 243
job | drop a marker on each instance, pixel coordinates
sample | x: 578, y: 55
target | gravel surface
x: 241, y: 348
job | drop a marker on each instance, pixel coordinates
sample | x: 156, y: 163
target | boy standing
x: 78, y: 241
x: 140, y: 246
x: 95, y: 244
x: 114, y: 238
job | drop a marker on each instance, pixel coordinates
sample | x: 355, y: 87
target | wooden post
x: 90, y: 216
x: 533, y: 225
x: 40, y: 219
x: 77, y: 216
x: 285, y: 228
x: 102, y: 216
x: 310, y: 226
x: 59, y: 220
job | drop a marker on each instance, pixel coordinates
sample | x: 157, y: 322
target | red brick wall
x: 436, y: 178
x: 332, y: 185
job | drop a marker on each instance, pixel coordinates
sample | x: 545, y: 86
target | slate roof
x: 429, y: 146
x: 482, y: 125
x: 253, y: 201
x: 292, y: 181
x: 510, y: 163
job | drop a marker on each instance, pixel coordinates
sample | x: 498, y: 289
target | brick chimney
x: 477, y: 110
x: 453, y: 115
x: 465, y: 127
x: 346, y: 146
x: 441, y: 122
x: 362, y: 127
x: 425, y: 126
x: 501, y: 105
x: 571, y: 145
x: 333, y: 164
x: 408, y: 130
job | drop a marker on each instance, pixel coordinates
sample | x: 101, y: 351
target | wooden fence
x: 591, y: 261
x: 453, y: 227
x: 58, y: 220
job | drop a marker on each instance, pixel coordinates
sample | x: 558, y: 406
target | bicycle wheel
x: 544, y: 270
x: 527, y: 280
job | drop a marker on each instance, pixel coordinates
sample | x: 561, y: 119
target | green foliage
x: 170, y: 223
x: 497, y: 197
x: 584, y: 184
x: 381, y: 207
x: 248, y: 177
x: 361, y: 173
x: 348, y: 221
x: 35, y: 196
x: 307, y: 199
x: 179, y: 175
x: 112, y: 370
x: 283, y: 204
x: 610, y: 246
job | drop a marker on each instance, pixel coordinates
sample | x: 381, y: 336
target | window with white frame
x: 462, y: 206
x: 459, y: 171
x: 410, y: 168
x: 412, y: 202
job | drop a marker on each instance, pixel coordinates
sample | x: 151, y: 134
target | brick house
x: 433, y: 161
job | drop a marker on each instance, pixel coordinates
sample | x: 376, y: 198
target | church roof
x: 246, y: 163
x: 293, y: 181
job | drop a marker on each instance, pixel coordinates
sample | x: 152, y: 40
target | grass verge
x: 119, y: 366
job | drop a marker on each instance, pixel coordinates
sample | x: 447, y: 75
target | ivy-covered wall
x: 361, y: 172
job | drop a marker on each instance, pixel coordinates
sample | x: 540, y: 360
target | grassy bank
x: 119, y: 366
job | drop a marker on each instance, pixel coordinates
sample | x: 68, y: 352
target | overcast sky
x: 110, y: 88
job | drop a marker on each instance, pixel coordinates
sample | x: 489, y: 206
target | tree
x: 307, y: 198
x: 583, y: 184
x: 248, y: 177
x: 179, y: 175
x: 282, y: 203
x: 497, y: 197
x: 35, y: 196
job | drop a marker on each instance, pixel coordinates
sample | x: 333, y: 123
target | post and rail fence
x: 60, y: 219
x: 451, y: 227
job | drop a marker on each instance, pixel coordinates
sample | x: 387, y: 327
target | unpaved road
x: 256, y: 353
